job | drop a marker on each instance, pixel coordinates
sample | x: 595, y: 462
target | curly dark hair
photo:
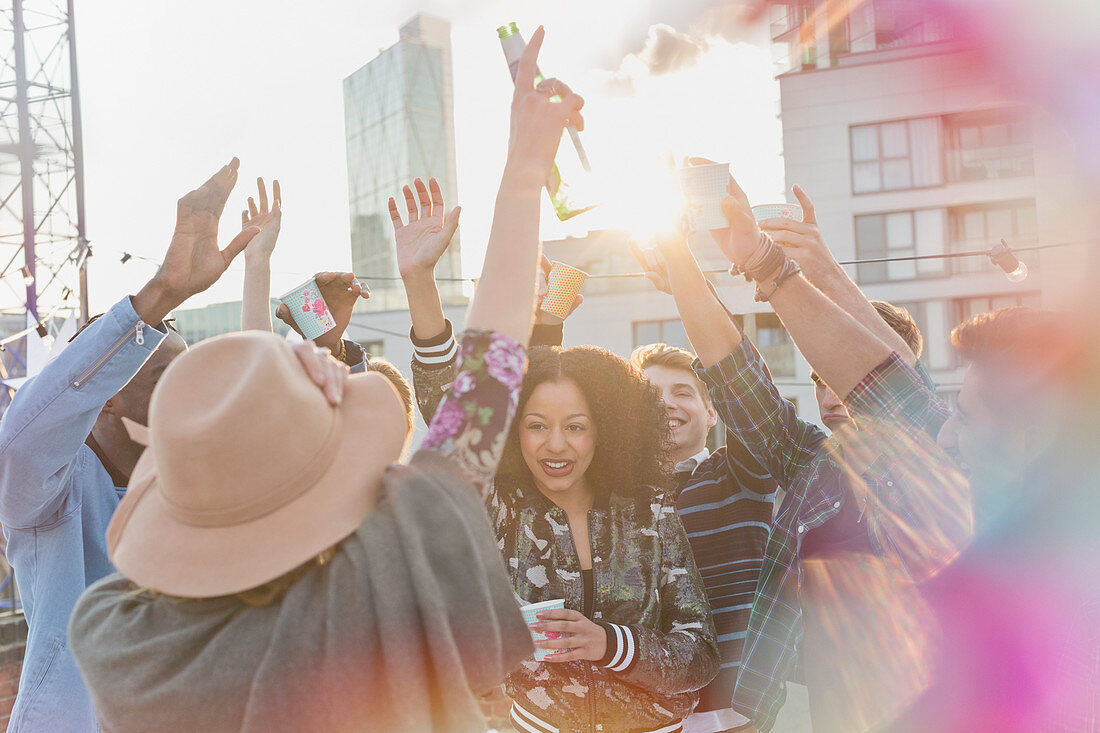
x: 632, y: 437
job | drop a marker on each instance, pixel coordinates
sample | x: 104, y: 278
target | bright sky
x: 171, y: 91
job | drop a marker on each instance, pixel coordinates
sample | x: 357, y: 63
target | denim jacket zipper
x: 139, y: 339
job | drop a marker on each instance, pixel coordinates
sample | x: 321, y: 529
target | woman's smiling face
x: 557, y: 437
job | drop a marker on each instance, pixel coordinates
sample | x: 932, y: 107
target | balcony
x: 789, y: 17
x: 793, y: 56
x: 991, y: 162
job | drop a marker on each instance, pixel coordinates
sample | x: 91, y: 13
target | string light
x: 1000, y: 254
x: 1003, y: 258
x: 908, y: 258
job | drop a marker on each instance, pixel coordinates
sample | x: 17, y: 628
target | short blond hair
x: 671, y: 357
x: 397, y: 379
x: 903, y: 324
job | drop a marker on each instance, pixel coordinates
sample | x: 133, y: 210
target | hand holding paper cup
x: 563, y: 285
x: 309, y: 310
x: 529, y: 616
x: 761, y: 212
x: 703, y: 188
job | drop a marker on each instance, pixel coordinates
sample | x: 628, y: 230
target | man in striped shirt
x: 725, y: 503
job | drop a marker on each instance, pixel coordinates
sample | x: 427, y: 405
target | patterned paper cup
x: 309, y: 310
x: 529, y: 616
x: 704, y: 187
x: 777, y: 211
x: 562, y: 288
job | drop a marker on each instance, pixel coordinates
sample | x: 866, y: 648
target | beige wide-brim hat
x: 249, y: 471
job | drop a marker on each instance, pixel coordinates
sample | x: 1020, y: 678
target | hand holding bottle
x: 537, y: 121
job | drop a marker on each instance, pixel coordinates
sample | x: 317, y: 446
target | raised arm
x: 52, y: 414
x: 340, y: 291
x: 672, y: 268
x: 420, y: 243
x: 475, y: 415
x: 841, y: 350
x: 256, y: 299
x: 740, y: 385
x: 505, y: 297
x: 803, y: 243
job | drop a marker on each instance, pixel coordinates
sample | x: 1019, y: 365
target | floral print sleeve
x: 472, y: 421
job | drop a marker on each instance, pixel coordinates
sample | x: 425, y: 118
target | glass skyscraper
x: 399, y: 124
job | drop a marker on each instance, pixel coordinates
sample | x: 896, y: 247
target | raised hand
x: 654, y: 267
x: 340, y: 291
x: 426, y: 236
x: 741, y: 239
x: 267, y: 219
x: 537, y: 121
x: 802, y: 240
x: 194, y: 261
x: 542, y: 318
x: 671, y: 245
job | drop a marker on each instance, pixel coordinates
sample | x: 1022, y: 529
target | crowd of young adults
x: 232, y: 536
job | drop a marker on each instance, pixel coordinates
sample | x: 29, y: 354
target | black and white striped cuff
x: 436, y: 351
x: 622, y: 647
x: 527, y: 722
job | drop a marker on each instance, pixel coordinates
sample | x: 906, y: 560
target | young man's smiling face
x: 690, y: 413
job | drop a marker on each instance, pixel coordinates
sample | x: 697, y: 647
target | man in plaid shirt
x: 856, y: 354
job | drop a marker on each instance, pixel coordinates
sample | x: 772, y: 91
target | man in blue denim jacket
x: 65, y: 455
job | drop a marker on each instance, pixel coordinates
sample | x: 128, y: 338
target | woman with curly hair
x: 581, y: 513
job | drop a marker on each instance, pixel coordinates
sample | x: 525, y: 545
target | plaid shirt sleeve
x: 746, y: 399
x: 918, y: 502
x: 896, y: 392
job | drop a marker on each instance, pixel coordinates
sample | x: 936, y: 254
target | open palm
x: 426, y: 236
x: 194, y: 261
x: 268, y: 219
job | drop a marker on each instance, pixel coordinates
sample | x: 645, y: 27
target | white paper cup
x: 529, y: 616
x: 777, y: 211
x: 703, y: 188
x: 309, y: 310
x: 562, y: 287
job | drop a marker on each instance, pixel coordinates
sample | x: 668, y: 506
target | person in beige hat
x: 279, y: 570
x: 65, y: 456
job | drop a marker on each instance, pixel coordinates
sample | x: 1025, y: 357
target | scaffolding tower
x: 43, y: 249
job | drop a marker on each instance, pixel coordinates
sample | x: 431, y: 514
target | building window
x: 982, y: 226
x: 891, y: 156
x: 774, y: 343
x: 669, y: 332
x: 901, y: 234
x: 873, y: 25
x: 764, y: 329
x: 987, y: 145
